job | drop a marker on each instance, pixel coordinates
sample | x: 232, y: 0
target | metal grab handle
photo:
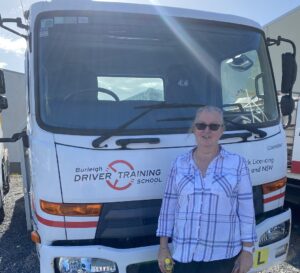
x: 125, y: 141
x: 14, y: 138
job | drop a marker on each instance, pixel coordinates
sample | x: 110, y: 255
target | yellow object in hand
x: 168, y: 264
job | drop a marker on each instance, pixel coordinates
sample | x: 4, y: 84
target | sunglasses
x: 212, y: 126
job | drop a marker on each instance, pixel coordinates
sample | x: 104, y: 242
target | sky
x: 12, y: 47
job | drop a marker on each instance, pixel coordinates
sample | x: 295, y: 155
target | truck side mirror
x: 2, y: 83
x: 3, y: 103
x: 289, y: 72
x: 287, y: 105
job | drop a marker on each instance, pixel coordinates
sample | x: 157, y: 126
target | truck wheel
x: 6, y: 185
x: 5, y: 172
x: 2, y: 214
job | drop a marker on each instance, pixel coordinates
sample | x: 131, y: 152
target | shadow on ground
x: 17, y: 252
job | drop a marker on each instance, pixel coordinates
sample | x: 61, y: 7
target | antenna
x: 23, y: 11
x: 21, y: 3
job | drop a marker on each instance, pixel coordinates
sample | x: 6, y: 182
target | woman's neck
x: 204, y: 156
x: 207, y: 152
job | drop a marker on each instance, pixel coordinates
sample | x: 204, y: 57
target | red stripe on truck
x: 295, y: 168
x: 62, y: 224
x: 273, y: 198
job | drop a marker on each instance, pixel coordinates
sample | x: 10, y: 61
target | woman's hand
x: 243, y: 263
x: 163, y: 253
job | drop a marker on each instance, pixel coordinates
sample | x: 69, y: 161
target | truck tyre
x: 5, y: 173
x: 2, y: 214
x: 6, y: 184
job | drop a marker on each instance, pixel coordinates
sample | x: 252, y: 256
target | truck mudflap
x: 273, y: 253
x: 124, y: 259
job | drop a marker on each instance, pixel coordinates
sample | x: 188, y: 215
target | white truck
x: 4, y: 168
x: 111, y: 93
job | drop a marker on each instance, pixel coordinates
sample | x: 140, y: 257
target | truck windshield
x: 98, y: 70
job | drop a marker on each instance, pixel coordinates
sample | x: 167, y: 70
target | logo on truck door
x: 118, y: 175
x: 117, y: 183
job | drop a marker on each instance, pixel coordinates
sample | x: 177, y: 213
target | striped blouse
x: 208, y: 217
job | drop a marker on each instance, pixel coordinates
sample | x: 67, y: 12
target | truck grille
x: 134, y: 223
x: 129, y: 224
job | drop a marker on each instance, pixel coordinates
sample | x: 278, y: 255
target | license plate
x: 261, y: 257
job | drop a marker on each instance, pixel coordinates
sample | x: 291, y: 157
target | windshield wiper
x: 247, y: 127
x: 96, y: 142
x: 169, y: 105
x: 244, y: 136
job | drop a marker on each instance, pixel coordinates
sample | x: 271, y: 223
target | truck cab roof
x: 84, y: 5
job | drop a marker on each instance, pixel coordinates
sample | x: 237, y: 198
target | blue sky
x: 12, y: 48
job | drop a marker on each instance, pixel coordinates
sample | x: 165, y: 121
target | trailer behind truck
x: 293, y: 141
x: 112, y: 90
x: 286, y: 25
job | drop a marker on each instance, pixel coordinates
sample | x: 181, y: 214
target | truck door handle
x: 125, y: 141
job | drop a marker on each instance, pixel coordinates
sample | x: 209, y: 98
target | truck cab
x: 111, y: 94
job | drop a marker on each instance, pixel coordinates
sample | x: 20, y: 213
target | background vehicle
x: 4, y: 170
x: 286, y: 25
x: 293, y: 138
x: 112, y: 91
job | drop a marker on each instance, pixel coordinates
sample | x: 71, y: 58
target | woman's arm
x: 167, y: 212
x: 245, y: 209
x: 246, y: 215
x: 167, y: 218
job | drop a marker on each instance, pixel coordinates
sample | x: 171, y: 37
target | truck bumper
x: 123, y: 257
x: 269, y: 255
x: 264, y: 257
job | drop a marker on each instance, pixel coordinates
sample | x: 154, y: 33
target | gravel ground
x: 17, y: 252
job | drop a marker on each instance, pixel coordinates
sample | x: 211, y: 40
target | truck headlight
x: 84, y: 265
x: 275, y: 234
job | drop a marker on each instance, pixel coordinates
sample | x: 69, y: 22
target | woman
x: 207, y: 207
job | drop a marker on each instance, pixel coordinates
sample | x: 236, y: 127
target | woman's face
x: 207, y: 137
